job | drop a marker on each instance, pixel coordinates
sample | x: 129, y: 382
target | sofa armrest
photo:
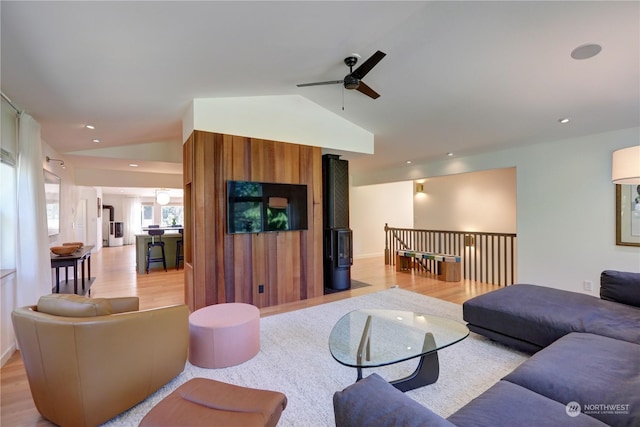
x: 124, y: 304
x: 372, y: 401
x: 620, y: 286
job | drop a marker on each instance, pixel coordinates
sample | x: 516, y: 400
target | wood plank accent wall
x: 221, y: 267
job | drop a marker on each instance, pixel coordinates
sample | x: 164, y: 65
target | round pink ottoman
x: 223, y: 335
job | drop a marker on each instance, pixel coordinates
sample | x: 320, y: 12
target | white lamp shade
x: 162, y: 197
x: 626, y: 166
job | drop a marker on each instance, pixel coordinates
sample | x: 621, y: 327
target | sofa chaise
x: 530, y: 317
x: 585, y: 370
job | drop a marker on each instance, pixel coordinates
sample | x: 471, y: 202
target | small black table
x: 81, y: 255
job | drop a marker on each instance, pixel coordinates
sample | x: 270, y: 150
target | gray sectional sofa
x: 530, y: 317
x: 585, y: 370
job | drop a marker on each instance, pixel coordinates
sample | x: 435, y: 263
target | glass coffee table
x: 374, y: 337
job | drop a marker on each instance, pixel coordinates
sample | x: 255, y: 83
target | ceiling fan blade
x: 330, y: 82
x: 363, y: 88
x: 367, y: 65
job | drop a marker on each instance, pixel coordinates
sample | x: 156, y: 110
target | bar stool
x: 179, y: 249
x: 153, y: 244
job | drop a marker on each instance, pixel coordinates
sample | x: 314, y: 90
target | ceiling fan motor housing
x: 351, y: 82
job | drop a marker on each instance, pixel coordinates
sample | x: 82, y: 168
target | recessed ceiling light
x: 90, y: 126
x: 408, y: 162
x: 564, y: 120
x: 449, y: 154
x: 134, y: 165
x: 95, y: 140
x: 586, y: 51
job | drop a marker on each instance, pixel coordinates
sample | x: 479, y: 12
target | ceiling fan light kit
x: 353, y: 80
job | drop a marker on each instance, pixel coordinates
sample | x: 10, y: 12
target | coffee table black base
x: 426, y: 373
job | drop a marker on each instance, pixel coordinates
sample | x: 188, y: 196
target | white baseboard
x: 7, y: 354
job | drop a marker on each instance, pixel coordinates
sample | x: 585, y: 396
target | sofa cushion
x: 372, y: 401
x: 68, y: 305
x: 508, y: 404
x: 588, y: 369
x: 620, y: 286
x: 541, y: 315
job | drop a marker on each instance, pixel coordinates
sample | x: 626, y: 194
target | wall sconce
x: 469, y: 240
x: 626, y: 166
x: 49, y: 159
x: 419, y: 187
x: 162, y: 197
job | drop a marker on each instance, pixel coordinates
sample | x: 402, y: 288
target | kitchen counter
x: 169, y: 238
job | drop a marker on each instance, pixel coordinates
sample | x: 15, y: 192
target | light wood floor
x: 116, y: 275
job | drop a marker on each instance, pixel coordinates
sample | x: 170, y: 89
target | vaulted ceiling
x: 460, y: 77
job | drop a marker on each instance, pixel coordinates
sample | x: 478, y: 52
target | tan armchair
x: 89, y: 359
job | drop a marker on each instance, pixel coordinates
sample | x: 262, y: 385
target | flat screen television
x: 258, y: 207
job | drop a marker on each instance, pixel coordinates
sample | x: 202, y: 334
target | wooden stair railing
x: 486, y: 257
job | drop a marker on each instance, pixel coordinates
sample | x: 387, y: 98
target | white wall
x: 565, y: 206
x: 372, y: 206
x: 117, y: 201
x: 118, y: 178
x: 93, y: 232
x: 566, y: 211
x: 7, y: 304
x: 284, y: 118
x: 474, y: 201
x: 70, y: 195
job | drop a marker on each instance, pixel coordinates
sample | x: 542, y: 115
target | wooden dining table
x: 78, y: 257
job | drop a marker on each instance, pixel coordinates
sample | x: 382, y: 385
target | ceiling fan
x: 353, y: 80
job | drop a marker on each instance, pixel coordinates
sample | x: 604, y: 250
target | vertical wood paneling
x: 258, y: 165
x: 227, y: 284
x: 240, y: 158
x: 310, y: 173
x: 187, y: 166
x: 210, y: 214
x: 260, y: 273
x: 241, y: 278
x: 214, y: 235
x: 200, y: 249
x: 276, y: 291
x: 188, y: 286
x: 316, y: 281
x: 229, y: 268
x: 187, y: 177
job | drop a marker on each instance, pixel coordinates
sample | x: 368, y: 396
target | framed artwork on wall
x: 627, y: 215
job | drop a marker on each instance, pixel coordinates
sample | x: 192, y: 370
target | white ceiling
x: 462, y: 77
x: 174, y: 193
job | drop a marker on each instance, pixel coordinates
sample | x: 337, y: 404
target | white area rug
x: 294, y: 358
